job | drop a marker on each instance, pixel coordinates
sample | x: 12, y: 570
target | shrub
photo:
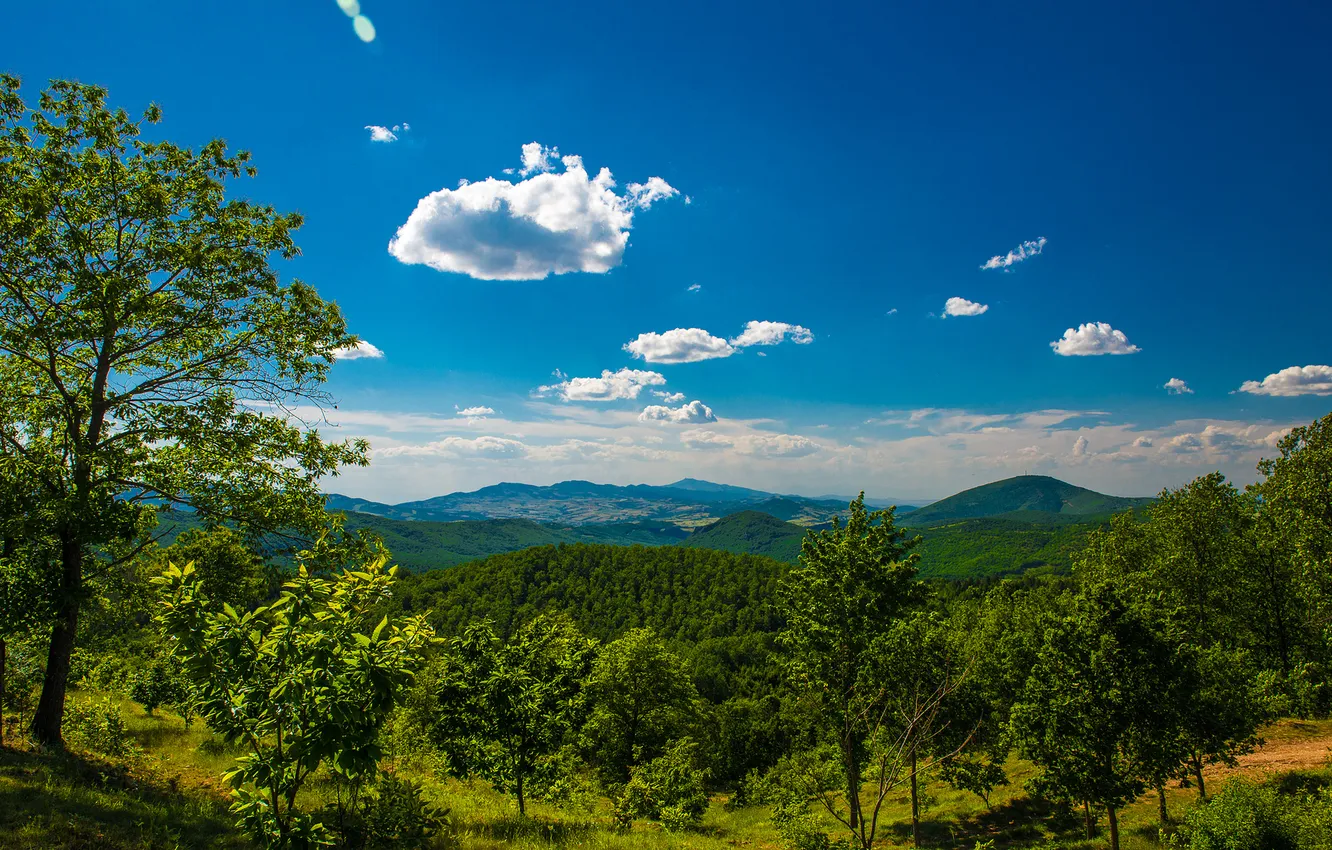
x: 391, y: 815
x: 668, y: 789
x: 99, y: 727
x: 1245, y: 816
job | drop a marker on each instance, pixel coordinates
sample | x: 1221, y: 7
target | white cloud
x: 669, y: 398
x: 549, y: 223
x: 681, y: 345
x: 1292, y: 381
x: 460, y: 447
x: 699, y: 438
x: 644, y: 195
x: 690, y: 345
x: 1143, y: 443
x: 695, y: 287
x: 771, y: 333
x: 1093, y: 338
x: 1178, y: 386
x: 537, y: 158
x: 611, y: 386
x: 777, y: 445
x: 381, y: 134
x: 892, y: 312
x: 688, y: 200
x: 962, y: 307
x: 693, y: 413
x: 358, y: 351
x: 350, y: 8
x: 1017, y: 255
x: 476, y: 411
x: 1080, y: 447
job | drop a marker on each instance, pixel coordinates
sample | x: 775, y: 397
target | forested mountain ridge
x: 1021, y: 495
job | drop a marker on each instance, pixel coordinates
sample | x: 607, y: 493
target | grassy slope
x: 170, y: 797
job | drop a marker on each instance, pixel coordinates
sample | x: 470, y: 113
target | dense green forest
x: 196, y: 653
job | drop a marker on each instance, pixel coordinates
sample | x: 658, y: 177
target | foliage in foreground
x: 304, y: 682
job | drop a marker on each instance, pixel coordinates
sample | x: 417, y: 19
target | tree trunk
x: 51, y: 706
x: 3, y: 661
x: 522, y: 803
x: 1161, y: 802
x: 1087, y: 819
x: 1197, y: 775
x: 1114, y: 827
x: 915, y: 803
x: 852, y: 783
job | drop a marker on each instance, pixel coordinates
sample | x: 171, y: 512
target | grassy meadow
x: 168, y: 793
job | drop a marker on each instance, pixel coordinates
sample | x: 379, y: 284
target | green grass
x: 170, y: 796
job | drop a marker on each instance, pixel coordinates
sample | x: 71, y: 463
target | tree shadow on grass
x: 67, y: 800
x: 1015, y: 822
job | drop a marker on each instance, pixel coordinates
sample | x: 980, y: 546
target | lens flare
x: 364, y: 29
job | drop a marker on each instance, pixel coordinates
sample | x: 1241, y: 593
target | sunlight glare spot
x: 364, y: 29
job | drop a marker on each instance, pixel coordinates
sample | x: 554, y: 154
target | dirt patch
x: 1279, y: 757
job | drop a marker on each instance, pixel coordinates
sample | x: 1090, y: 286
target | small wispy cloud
x: 892, y: 312
x: 474, y: 412
x: 1022, y: 252
x: 695, y: 287
x: 1178, y: 386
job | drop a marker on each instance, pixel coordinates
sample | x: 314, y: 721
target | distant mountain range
x: 1007, y: 527
x: 688, y: 503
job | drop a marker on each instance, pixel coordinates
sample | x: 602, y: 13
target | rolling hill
x: 1024, y: 495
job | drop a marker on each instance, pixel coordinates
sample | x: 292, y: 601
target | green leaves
x: 298, y: 682
x: 149, y: 352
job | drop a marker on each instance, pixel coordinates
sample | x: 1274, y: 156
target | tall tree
x: 148, y: 351
x: 505, y: 708
x: 1296, y: 504
x: 641, y: 698
x: 1097, y: 713
x: 855, y: 581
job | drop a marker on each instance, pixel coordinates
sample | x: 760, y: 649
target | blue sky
x: 820, y: 166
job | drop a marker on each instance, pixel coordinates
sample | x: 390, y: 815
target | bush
x: 668, y: 789
x: 1245, y: 816
x: 98, y: 726
x: 158, y: 684
x: 391, y: 815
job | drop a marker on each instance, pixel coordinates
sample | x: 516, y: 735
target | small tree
x: 303, y: 682
x: 641, y: 698
x: 504, y: 709
x: 227, y: 569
